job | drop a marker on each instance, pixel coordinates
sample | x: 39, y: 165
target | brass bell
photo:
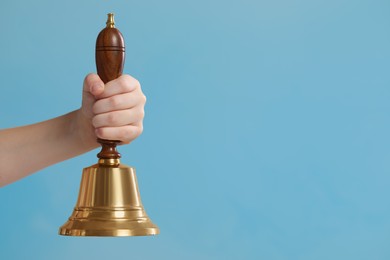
x: 109, y: 202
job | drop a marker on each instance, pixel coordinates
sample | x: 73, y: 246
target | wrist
x: 83, y: 131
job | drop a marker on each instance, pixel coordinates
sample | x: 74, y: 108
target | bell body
x: 109, y: 204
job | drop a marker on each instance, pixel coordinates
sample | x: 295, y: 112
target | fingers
x: 115, y: 109
x: 118, y: 102
x: 95, y: 86
x: 124, y: 133
x: 121, y: 85
x: 119, y: 110
x: 118, y: 118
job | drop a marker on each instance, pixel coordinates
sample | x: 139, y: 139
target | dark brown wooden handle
x: 110, y: 59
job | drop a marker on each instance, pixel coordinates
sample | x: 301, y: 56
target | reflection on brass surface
x: 109, y: 204
x: 109, y: 162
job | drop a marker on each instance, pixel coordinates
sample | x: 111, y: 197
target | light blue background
x: 266, y: 131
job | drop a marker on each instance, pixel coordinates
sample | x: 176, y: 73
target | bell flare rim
x: 152, y: 231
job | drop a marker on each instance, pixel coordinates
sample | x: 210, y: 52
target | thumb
x: 93, y: 85
x: 92, y: 88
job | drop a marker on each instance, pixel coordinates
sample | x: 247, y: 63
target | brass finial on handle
x: 110, y: 21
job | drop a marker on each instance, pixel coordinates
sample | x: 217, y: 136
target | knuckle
x: 137, y: 114
x: 142, y: 113
x: 126, y: 77
x: 128, y: 83
x: 137, y: 83
x: 111, y: 118
x: 132, y: 133
x: 125, y: 83
x: 129, y: 133
x: 114, y: 102
x: 140, y: 129
x: 123, y: 80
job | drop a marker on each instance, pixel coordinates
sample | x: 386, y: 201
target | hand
x: 114, y: 111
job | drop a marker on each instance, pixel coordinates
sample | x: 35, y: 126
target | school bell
x: 109, y: 202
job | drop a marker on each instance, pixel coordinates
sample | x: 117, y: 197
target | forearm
x: 27, y: 149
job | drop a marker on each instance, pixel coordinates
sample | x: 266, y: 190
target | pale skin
x: 112, y: 111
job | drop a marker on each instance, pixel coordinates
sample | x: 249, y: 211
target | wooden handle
x: 110, y: 59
